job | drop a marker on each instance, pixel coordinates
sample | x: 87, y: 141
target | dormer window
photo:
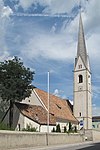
x: 80, y: 78
x: 58, y: 106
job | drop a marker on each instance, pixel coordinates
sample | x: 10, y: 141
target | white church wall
x: 44, y: 128
x: 31, y: 123
x: 32, y: 100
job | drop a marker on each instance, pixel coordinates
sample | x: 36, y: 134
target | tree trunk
x: 11, y: 114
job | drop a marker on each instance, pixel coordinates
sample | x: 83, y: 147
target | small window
x: 80, y: 114
x: 79, y: 66
x: 18, y: 127
x: 80, y: 78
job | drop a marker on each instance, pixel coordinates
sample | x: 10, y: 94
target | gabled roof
x: 58, y: 107
x: 36, y: 113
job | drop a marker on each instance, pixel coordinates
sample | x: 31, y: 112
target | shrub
x: 70, y: 127
x: 58, y: 128
x: 30, y: 129
x: 64, y: 129
x: 53, y: 130
x: 75, y: 129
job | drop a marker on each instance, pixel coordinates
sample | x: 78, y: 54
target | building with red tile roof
x: 34, y: 111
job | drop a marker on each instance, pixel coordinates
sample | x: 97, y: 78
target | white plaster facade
x: 24, y: 121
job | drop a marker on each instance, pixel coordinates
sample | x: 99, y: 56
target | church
x: 33, y: 110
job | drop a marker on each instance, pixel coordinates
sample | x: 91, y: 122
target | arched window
x: 80, y: 78
x: 80, y: 114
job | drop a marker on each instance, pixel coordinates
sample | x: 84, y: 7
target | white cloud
x: 59, y: 6
x: 25, y: 4
x: 4, y: 56
x: 93, y: 15
x: 53, y: 29
x: 59, y: 93
x: 6, y: 11
x: 52, y: 6
x: 50, y: 46
x: 56, y: 93
x: 56, y: 46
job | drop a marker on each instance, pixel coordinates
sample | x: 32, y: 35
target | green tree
x: 70, y: 126
x: 75, y: 129
x: 53, y: 130
x: 65, y: 129
x: 15, y: 83
x: 58, y: 128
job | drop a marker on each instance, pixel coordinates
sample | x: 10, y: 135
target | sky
x: 44, y: 33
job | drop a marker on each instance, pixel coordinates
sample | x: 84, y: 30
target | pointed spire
x: 81, y: 49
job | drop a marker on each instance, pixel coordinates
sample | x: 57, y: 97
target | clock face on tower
x: 80, y: 88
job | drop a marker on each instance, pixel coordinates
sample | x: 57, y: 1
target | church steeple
x: 81, y: 48
x: 82, y: 83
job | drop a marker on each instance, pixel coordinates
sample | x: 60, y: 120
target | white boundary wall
x: 13, y: 139
x: 96, y: 135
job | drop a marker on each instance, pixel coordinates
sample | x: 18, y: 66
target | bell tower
x: 82, y: 83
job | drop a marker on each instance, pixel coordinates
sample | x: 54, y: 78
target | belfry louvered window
x: 80, y: 78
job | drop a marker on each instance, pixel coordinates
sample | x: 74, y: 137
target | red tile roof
x: 58, y: 107
x: 36, y: 113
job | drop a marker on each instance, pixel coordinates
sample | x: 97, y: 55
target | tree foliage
x: 15, y: 83
x: 15, y: 80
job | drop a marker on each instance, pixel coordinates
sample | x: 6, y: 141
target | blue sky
x: 43, y: 33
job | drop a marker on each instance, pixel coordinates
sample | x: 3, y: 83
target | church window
x: 80, y: 66
x: 18, y: 127
x: 80, y: 78
x: 80, y: 114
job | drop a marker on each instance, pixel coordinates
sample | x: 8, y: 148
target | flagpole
x: 48, y: 101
